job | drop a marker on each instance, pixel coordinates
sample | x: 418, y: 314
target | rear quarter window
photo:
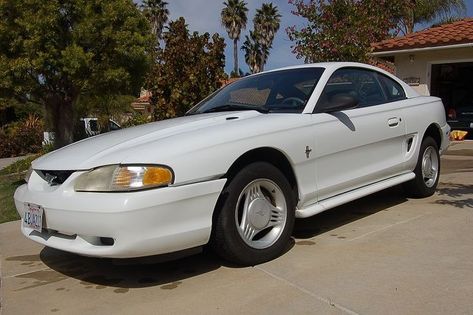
x: 394, y: 91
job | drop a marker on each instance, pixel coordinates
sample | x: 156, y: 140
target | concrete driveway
x: 383, y: 254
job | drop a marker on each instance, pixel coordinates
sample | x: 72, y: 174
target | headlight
x: 28, y: 174
x: 124, y: 178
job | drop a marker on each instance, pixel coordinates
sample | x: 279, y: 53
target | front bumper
x: 140, y: 223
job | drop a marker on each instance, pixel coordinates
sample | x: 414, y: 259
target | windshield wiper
x: 236, y: 107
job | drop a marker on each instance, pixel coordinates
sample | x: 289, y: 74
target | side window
x: 394, y: 90
x: 360, y: 84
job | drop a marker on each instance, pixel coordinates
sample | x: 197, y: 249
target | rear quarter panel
x: 418, y: 114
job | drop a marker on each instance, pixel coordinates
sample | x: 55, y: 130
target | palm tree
x: 266, y: 22
x: 254, y: 52
x: 157, y: 14
x: 234, y: 19
x: 422, y: 11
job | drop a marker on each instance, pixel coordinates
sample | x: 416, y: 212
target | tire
x: 427, y: 171
x: 255, y: 216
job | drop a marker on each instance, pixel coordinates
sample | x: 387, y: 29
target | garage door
x: 453, y: 82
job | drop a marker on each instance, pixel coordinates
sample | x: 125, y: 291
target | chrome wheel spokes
x: 261, y: 213
x: 430, y: 166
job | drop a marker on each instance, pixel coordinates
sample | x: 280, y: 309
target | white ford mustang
x: 239, y: 167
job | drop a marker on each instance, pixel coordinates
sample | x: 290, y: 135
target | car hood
x: 116, y: 147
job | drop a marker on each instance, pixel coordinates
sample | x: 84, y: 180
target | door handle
x: 393, y: 122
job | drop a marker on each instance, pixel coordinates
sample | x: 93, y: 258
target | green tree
x: 343, y: 30
x: 104, y: 107
x: 254, y: 53
x: 234, y: 19
x: 51, y: 52
x: 188, y: 68
x: 12, y: 110
x: 266, y: 24
x: 423, y: 11
x: 157, y: 14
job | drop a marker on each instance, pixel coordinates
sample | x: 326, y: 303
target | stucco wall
x: 420, y: 67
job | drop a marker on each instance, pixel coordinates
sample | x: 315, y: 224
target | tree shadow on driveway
x: 456, y: 195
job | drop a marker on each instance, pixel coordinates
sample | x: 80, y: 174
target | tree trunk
x: 410, y: 22
x: 61, y: 113
x: 263, y: 58
x: 235, y: 58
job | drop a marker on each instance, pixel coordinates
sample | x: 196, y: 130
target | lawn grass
x: 10, y: 178
x: 8, y: 184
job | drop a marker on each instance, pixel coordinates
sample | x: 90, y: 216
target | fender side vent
x: 409, y: 144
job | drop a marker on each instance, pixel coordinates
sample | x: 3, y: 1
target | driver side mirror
x: 338, y: 103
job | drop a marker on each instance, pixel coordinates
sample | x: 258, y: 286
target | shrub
x: 21, y: 138
x: 135, y: 120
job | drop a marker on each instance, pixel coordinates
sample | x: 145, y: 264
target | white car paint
x: 354, y: 153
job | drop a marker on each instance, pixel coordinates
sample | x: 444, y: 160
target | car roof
x: 332, y: 66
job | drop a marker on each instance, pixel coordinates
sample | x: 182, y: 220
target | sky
x: 204, y: 16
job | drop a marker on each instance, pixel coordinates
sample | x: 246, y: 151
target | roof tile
x: 458, y: 32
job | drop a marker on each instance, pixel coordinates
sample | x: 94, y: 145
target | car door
x: 359, y: 146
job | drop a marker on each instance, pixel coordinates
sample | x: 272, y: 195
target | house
x: 436, y: 61
x: 143, y: 104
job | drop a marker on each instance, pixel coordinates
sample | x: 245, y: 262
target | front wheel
x: 255, y: 216
x: 427, y: 171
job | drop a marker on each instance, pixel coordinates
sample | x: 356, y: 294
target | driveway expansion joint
x: 307, y: 292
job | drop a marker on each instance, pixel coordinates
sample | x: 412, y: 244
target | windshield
x: 285, y: 91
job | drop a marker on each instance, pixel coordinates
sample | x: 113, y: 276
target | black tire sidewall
x: 229, y: 242
x: 417, y: 187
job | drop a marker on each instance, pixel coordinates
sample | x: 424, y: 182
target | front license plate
x: 33, y: 217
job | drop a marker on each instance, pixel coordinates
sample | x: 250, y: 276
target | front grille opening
x: 54, y: 177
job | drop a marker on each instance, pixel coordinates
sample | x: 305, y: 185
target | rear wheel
x: 256, y: 216
x: 427, y: 171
